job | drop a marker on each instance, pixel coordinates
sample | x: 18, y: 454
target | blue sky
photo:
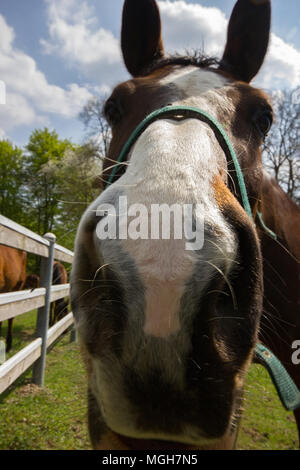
x: 56, y: 54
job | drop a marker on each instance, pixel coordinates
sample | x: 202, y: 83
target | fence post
x: 43, y: 312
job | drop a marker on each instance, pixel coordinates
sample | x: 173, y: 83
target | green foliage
x: 48, y: 186
x: 44, y: 147
x: 11, y: 181
x: 75, y: 175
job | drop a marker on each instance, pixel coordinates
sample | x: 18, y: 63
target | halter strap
x: 286, y: 388
x: 196, y: 113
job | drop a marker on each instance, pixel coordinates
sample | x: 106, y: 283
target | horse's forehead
x: 189, y: 78
x: 190, y: 81
x: 194, y: 81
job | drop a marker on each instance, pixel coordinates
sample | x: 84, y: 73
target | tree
x: 282, y: 146
x: 49, y: 187
x: 42, y: 187
x: 98, y: 129
x: 11, y: 181
x: 76, y: 177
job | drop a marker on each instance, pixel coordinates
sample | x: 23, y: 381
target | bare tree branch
x: 98, y: 129
x: 282, y: 146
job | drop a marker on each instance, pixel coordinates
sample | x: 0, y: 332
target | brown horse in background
x: 280, y: 322
x: 12, y: 278
x: 59, y: 308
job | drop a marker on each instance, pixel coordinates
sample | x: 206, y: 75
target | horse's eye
x: 263, y: 122
x: 112, y: 112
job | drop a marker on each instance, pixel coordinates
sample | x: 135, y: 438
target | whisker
x: 277, y: 289
x: 218, y: 292
x: 227, y: 282
x: 73, y: 202
x: 98, y: 271
x: 114, y: 166
x: 232, y: 181
x: 226, y: 318
x: 85, y: 293
x: 275, y: 271
x: 99, y: 281
x: 287, y: 251
x: 222, y: 251
x: 273, y: 331
x: 275, y: 317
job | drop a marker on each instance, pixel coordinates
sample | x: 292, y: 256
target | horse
x: 168, y: 328
x: 32, y: 282
x: 12, y: 278
x: 59, y: 308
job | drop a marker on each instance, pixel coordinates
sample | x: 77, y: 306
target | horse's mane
x: 196, y: 58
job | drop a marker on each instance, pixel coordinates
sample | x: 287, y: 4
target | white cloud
x: 30, y: 98
x: 77, y: 43
x: 193, y: 26
x: 282, y: 66
x: 17, y: 111
x: 76, y: 36
x: 2, y: 134
x: 7, y: 35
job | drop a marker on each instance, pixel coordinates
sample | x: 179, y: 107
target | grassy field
x: 54, y: 418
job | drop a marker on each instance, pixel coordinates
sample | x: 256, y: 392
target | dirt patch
x: 29, y: 389
x: 255, y: 435
x: 291, y: 418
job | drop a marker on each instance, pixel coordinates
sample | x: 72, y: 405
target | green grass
x: 54, y: 417
x: 266, y: 424
x: 50, y: 418
x: 23, y: 331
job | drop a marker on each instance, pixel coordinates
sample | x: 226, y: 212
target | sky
x: 57, y: 54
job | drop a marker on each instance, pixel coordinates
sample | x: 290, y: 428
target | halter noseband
x: 189, y: 112
x: 285, y: 386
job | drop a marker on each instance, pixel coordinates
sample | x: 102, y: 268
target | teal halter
x: 285, y: 386
x: 188, y: 112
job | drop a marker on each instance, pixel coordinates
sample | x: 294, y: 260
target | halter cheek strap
x: 286, y: 388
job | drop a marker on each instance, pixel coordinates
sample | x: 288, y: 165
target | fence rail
x: 16, y: 236
x: 14, y: 304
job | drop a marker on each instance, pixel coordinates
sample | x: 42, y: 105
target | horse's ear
x: 248, y: 38
x: 141, y: 40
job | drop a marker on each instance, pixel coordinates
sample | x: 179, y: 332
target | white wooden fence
x: 14, y: 304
